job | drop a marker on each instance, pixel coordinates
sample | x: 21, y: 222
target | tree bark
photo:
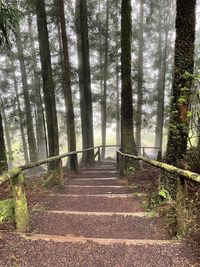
x: 118, y: 136
x: 3, y: 158
x: 162, y: 57
x: 21, y: 124
x: 67, y: 91
x: 29, y: 119
x: 7, y: 135
x: 182, y: 84
x: 84, y: 80
x: 105, y: 76
x: 40, y: 123
x: 48, y: 84
x: 127, y: 138
x: 138, y: 123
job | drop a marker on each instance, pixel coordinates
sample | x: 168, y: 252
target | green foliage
x: 131, y: 169
x: 164, y: 194
x: 6, y: 210
x: 9, y: 18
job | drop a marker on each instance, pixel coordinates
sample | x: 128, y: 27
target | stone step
x: 95, y: 181
x: 97, y: 190
x: 95, y: 203
x: 98, y: 169
x: 98, y: 196
x: 70, y: 251
x: 101, y: 225
x: 101, y: 241
x: 97, y: 174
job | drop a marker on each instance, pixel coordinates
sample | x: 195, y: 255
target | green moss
x: 21, y: 209
x: 6, y: 210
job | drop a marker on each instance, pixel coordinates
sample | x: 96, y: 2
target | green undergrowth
x: 166, y: 208
x: 155, y: 202
x: 6, y: 210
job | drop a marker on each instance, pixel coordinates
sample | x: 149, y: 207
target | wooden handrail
x: 8, y: 175
x: 164, y: 166
x: 181, y: 194
x: 16, y: 178
x: 47, y: 160
x: 149, y: 147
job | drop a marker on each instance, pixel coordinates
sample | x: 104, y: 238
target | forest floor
x: 97, y: 220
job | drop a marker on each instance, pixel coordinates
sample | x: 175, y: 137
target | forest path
x: 98, y: 220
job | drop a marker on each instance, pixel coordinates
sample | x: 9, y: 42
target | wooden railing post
x: 122, y: 165
x: 143, y: 152
x: 74, y: 162
x: 117, y: 158
x: 159, y: 156
x: 20, y: 202
x: 61, y: 175
x: 181, y: 209
x: 99, y: 154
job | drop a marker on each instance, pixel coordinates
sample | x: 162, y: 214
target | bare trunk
x: 7, y: 135
x: 104, y: 95
x: 67, y: 86
x: 127, y: 139
x: 40, y: 123
x: 161, y: 81
x: 3, y: 158
x: 48, y: 84
x: 29, y: 119
x: 118, y: 136
x: 84, y: 80
x: 21, y: 124
x: 138, y: 123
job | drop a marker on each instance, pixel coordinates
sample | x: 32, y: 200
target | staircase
x: 96, y: 221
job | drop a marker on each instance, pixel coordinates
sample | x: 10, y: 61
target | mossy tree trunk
x: 20, y: 202
x: 127, y: 139
x: 181, y: 94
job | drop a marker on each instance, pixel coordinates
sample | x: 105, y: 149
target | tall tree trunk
x: 48, y: 84
x: 138, y: 123
x: 84, y: 80
x: 162, y: 57
x: 105, y: 76
x: 118, y: 136
x: 21, y: 124
x: 7, y: 135
x: 40, y: 123
x: 181, y: 97
x: 100, y: 61
x: 3, y: 158
x: 67, y: 85
x: 127, y: 137
x: 29, y: 119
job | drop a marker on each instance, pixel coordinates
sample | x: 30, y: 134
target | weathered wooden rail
x: 180, y: 174
x: 16, y: 178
